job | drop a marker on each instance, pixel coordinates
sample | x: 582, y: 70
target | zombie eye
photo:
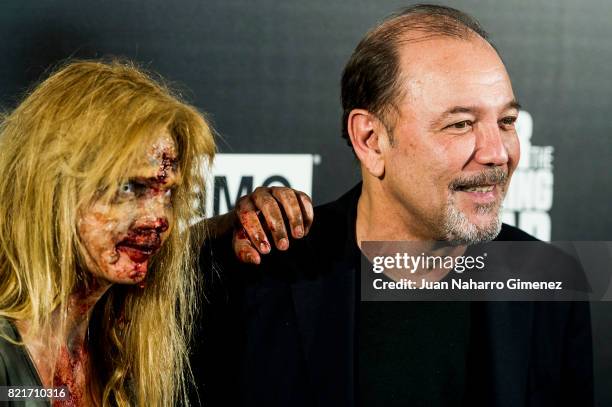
x: 127, y: 187
x: 130, y: 188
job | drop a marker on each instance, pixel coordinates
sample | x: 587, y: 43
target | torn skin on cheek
x: 140, y: 262
x: 139, y: 271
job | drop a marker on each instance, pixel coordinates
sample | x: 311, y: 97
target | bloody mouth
x: 136, y: 254
x: 139, y: 246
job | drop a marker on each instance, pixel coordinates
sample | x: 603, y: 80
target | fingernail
x: 283, y: 244
x: 264, y: 247
x: 298, y: 231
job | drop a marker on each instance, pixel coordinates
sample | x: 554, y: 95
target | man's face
x: 454, y: 143
x: 121, y: 236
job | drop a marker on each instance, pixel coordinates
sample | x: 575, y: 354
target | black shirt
x: 413, y: 353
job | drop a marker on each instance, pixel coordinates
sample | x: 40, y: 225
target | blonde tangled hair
x: 73, y: 136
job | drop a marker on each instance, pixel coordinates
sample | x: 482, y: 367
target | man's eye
x: 508, y: 121
x: 461, y: 125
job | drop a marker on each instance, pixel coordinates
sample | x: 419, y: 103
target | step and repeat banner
x: 267, y: 74
x: 236, y: 175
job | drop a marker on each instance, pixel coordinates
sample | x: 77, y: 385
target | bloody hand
x: 276, y: 205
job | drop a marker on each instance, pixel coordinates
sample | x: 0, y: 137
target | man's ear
x: 368, y: 135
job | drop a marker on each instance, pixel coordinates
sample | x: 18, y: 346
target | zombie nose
x: 151, y: 226
x: 160, y: 225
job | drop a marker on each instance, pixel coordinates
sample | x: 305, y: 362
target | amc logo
x: 235, y: 175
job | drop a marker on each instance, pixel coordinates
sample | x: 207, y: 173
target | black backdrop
x: 268, y: 75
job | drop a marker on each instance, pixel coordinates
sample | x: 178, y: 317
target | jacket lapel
x: 325, y: 306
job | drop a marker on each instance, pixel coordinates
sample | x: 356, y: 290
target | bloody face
x: 122, y: 235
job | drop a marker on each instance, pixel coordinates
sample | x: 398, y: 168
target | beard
x: 456, y: 226
x: 458, y: 229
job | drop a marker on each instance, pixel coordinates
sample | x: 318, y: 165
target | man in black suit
x: 429, y: 112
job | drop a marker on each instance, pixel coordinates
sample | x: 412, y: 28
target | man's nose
x: 490, y: 148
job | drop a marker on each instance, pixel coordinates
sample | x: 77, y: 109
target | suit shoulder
x: 329, y: 212
x: 543, y: 259
x: 511, y: 233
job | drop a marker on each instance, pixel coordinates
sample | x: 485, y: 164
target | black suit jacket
x: 284, y: 333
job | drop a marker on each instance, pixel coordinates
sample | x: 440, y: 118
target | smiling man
x: 429, y: 111
x: 438, y: 158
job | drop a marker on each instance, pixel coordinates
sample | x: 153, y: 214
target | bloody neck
x: 61, y: 356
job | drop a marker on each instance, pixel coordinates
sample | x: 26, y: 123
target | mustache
x: 491, y: 176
